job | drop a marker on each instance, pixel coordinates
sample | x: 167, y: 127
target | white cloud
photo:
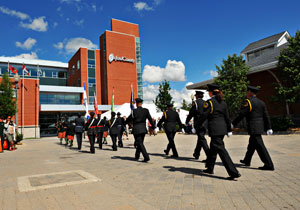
x: 59, y: 45
x: 38, y: 24
x: 79, y: 22
x: 14, y: 13
x: 151, y: 91
x: 55, y: 24
x: 140, y: 6
x: 157, y: 2
x: 174, y: 71
x: 69, y: 46
x: 31, y: 55
x: 94, y: 7
x: 212, y: 73
x: 28, y: 44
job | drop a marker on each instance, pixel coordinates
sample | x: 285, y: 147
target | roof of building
x: 33, y: 62
x: 264, y: 42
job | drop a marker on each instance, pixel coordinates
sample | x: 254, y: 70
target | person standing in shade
x: 113, y: 130
x: 219, y: 125
x: 100, y: 130
x: 79, y: 129
x: 139, y: 117
x: 90, y: 127
x: 195, y: 112
x: 170, y: 118
x: 120, y: 125
x: 258, y: 119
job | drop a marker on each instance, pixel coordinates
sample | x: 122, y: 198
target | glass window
x: 92, y: 72
x: 73, y: 69
x: 78, y: 65
x: 55, y: 74
x: 92, y: 80
x: 91, y: 99
x: 78, y: 83
x: 91, y: 54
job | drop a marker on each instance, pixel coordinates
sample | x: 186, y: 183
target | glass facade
x: 48, y: 121
x: 91, y: 76
x: 60, y: 98
x: 47, y: 75
x: 139, y: 67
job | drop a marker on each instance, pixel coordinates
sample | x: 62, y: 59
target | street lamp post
x: 17, y: 78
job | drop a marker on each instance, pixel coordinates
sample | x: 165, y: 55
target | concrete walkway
x: 41, y: 174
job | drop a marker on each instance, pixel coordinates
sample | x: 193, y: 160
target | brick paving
x: 162, y: 183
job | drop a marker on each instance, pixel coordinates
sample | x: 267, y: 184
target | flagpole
x: 23, y: 103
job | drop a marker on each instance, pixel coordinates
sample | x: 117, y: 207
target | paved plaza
x: 42, y: 174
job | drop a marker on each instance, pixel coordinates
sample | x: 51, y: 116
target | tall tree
x: 164, y: 97
x: 185, y: 105
x: 7, y: 102
x: 289, y: 71
x: 232, y: 78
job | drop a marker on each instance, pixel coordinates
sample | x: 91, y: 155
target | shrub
x: 19, y: 137
x: 281, y: 123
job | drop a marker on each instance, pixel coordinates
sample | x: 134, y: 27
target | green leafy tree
x: 7, y: 102
x: 232, y: 78
x: 164, y: 97
x: 185, y: 105
x: 289, y: 71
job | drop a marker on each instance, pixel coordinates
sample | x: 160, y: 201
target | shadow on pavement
x: 193, y: 171
x: 169, y: 157
x: 124, y: 158
x: 238, y: 165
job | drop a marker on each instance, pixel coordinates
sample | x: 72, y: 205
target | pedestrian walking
x: 258, y: 119
x: 139, y: 117
x: 70, y: 133
x: 61, y: 128
x: 113, y: 130
x: 100, y: 130
x: 120, y: 124
x: 90, y: 127
x: 170, y: 119
x: 196, y: 112
x: 10, y: 132
x: 79, y: 129
x: 219, y: 125
x: 105, y: 132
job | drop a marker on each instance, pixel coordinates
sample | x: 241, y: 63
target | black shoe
x: 207, y: 171
x: 232, y: 177
x: 100, y: 147
x: 93, y: 151
x: 146, y: 160
x: 174, y: 156
x: 266, y: 168
x: 166, y: 152
x: 204, y: 161
x: 137, y: 157
x: 196, y: 156
x: 244, y: 162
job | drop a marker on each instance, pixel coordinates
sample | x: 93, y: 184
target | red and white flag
x: 13, y: 70
x: 95, y: 104
x: 25, y: 69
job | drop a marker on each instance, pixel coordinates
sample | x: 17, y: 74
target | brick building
x: 261, y: 56
x: 55, y: 89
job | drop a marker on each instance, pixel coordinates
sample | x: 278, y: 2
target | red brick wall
x: 267, y: 83
x: 31, y: 101
x: 98, y: 76
x: 125, y: 27
x: 120, y: 75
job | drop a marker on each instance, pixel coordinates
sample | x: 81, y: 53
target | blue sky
x: 193, y: 35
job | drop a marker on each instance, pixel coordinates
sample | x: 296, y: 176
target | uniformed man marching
x: 219, y: 125
x: 100, y: 130
x: 90, y: 127
x: 195, y: 112
x: 258, y: 119
x: 170, y: 118
x: 120, y: 124
x: 113, y: 130
x: 139, y: 117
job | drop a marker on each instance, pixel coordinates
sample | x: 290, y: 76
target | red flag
x: 95, y: 104
x: 25, y: 69
x: 13, y: 70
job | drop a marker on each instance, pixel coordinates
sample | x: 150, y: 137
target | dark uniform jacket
x: 170, y: 119
x: 195, y: 112
x: 120, y: 123
x: 71, y: 129
x: 79, y: 125
x: 91, y: 126
x: 218, y: 117
x: 139, y: 120
x: 101, y: 125
x: 113, y: 126
x: 256, y: 115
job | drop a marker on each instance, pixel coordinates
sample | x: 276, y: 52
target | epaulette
x: 206, y: 105
x: 248, y: 103
x: 165, y: 115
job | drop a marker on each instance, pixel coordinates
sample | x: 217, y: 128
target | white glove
x: 155, y: 131
x: 193, y: 130
x: 182, y: 130
x: 229, y: 134
x: 232, y: 126
x: 269, y: 132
